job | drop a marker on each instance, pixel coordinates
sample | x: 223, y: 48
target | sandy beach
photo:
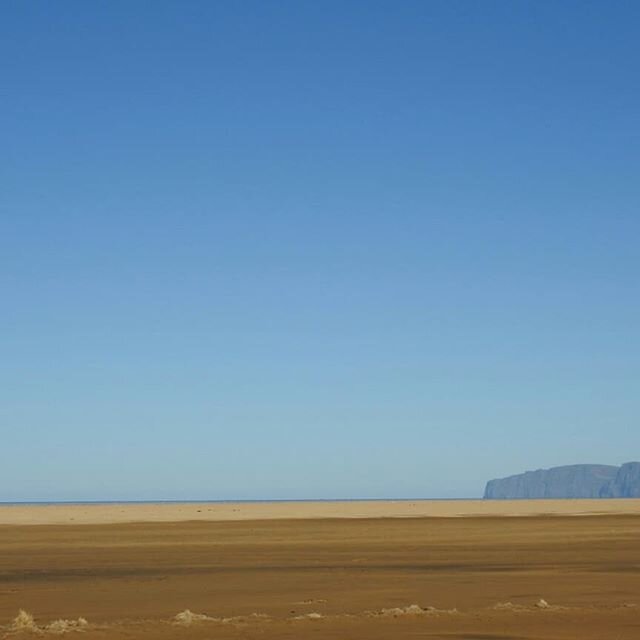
x: 100, y: 513
x: 370, y: 570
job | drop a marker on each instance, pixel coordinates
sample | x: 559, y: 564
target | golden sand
x: 325, y: 571
x: 230, y: 511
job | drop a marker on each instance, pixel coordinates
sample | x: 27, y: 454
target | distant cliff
x: 574, y: 481
x: 626, y: 483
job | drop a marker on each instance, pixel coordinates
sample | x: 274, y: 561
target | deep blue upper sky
x: 315, y: 249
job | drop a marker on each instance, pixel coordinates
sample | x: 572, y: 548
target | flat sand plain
x: 478, y: 577
x: 100, y: 513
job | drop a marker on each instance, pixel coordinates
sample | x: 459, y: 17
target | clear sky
x: 305, y: 249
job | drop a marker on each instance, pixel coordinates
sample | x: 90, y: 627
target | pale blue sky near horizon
x: 315, y: 249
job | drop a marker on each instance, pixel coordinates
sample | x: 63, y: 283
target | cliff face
x: 574, y: 481
x: 626, y: 483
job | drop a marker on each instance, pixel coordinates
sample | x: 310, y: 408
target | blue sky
x: 315, y: 249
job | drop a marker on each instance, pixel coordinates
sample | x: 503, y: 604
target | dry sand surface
x: 480, y: 577
x: 215, y: 511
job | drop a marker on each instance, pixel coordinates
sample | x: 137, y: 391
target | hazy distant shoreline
x: 41, y: 503
x: 127, y: 512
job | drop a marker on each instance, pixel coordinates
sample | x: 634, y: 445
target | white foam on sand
x: 187, y: 618
x: 24, y: 622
